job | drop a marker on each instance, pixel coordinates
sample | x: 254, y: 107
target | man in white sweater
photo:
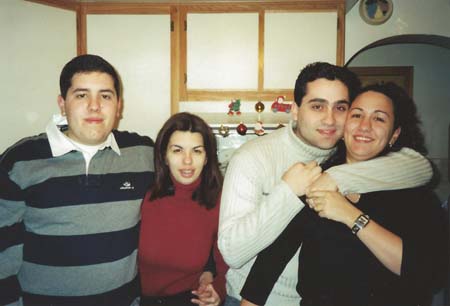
x: 266, y: 176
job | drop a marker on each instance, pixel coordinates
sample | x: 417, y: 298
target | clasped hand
x: 332, y: 205
x: 321, y: 191
x: 299, y: 176
x: 207, y: 295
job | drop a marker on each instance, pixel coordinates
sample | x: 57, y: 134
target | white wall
x: 408, y: 17
x: 143, y: 62
x: 37, y: 41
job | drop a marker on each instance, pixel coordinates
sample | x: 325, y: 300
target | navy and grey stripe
x: 80, y: 250
x: 123, y: 295
x: 69, y: 238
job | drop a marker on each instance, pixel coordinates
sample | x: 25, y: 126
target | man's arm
x: 397, y: 170
x: 12, y: 208
x: 250, y: 216
x: 271, y: 261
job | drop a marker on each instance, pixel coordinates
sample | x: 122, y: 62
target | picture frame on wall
x: 375, y: 12
x: 400, y: 75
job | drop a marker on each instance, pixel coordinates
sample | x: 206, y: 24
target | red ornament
x: 280, y: 106
x: 241, y: 129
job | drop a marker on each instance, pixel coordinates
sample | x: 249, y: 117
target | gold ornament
x: 259, y: 107
x: 224, y: 130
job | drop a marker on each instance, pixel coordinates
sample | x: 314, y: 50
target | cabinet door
x: 294, y: 39
x: 139, y: 48
x: 222, y: 51
x: 256, y: 53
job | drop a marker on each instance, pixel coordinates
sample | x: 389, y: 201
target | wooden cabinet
x: 207, y: 52
x: 254, y: 51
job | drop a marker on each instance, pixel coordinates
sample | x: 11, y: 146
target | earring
x: 390, y: 145
x: 63, y: 114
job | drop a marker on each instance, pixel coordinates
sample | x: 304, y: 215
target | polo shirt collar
x: 60, y: 144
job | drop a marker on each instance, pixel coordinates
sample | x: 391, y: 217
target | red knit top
x: 176, y: 238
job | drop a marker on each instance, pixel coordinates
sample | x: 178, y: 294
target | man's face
x: 91, y: 106
x: 322, y: 113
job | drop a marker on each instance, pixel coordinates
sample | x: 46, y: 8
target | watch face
x: 360, y: 223
x: 375, y: 12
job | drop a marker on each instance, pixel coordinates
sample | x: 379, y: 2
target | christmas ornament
x: 259, y: 107
x: 234, y: 107
x: 259, y: 129
x: 224, y: 130
x: 241, y: 129
x: 280, y: 106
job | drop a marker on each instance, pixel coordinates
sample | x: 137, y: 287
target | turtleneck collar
x: 300, y: 147
x: 185, y: 189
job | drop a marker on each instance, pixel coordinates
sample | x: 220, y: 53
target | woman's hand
x: 207, y: 295
x: 334, y: 206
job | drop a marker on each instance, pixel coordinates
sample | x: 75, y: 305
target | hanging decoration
x: 259, y: 128
x: 259, y: 107
x: 241, y: 129
x: 234, y: 107
x: 280, y: 106
x: 224, y: 130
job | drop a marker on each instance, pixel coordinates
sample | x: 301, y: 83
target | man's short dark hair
x: 83, y: 64
x: 322, y: 70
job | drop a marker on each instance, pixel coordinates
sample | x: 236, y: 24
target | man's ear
x: 62, y: 105
x: 294, y: 111
x: 119, y: 109
x: 395, y: 136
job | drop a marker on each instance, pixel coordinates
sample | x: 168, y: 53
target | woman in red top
x: 180, y: 217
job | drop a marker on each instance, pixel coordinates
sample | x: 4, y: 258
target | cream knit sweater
x: 257, y: 205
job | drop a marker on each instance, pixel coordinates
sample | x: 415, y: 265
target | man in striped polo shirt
x: 70, y: 199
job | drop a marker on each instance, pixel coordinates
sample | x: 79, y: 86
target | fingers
x: 299, y: 176
x: 311, y: 164
x: 208, y: 297
x: 315, y: 169
x: 315, y: 204
x: 200, y: 289
x: 313, y: 194
x: 206, y: 302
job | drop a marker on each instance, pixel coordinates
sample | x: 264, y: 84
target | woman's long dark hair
x: 405, y: 117
x: 209, y: 189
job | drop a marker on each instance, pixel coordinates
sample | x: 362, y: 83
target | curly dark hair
x: 405, y: 116
x: 322, y: 70
x: 211, y: 177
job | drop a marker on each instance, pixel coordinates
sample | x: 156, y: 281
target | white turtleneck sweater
x: 257, y: 205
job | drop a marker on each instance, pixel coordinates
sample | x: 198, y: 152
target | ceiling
x: 348, y: 3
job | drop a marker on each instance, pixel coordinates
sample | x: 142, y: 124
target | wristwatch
x: 360, y: 223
